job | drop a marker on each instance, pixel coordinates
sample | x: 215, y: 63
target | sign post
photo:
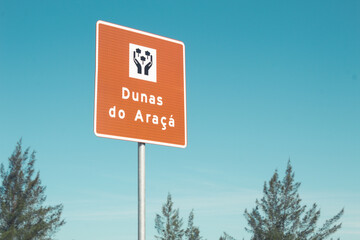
x: 140, y: 93
x: 141, y: 191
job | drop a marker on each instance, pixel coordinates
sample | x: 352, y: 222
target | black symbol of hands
x: 148, y: 66
x: 138, y: 65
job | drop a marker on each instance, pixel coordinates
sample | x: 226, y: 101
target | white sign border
x: 96, y: 86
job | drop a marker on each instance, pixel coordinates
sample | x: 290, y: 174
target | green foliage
x: 22, y: 214
x: 226, y: 236
x: 169, y: 224
x: 192, y: 232
x: 280, y: 215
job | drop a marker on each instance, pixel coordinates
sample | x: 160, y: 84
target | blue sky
x: 266, y: 81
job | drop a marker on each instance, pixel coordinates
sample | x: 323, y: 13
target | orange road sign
x: 140, y: 86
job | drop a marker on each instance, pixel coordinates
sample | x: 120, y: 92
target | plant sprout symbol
x: 137, y: 57
x: 138, y: 51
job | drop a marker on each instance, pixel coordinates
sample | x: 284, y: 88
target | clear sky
x: 266, y: 81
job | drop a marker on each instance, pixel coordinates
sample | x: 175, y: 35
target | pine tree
x: 22, y: 214
x: 192, y: 232
x: 169, y: 225
x: 226, y: 236
x: 280, y: 214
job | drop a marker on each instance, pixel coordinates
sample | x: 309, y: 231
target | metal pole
x: 141, y: 191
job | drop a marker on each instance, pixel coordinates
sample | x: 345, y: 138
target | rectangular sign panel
x: 140, y: 90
